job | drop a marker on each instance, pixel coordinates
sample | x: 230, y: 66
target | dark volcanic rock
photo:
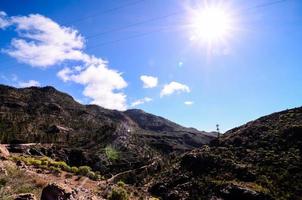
x: 27, y: 196
x: 55, y: 192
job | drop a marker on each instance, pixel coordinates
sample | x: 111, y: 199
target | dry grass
x: 17, y: 182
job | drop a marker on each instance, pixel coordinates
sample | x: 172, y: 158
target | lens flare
x: 211, y: 24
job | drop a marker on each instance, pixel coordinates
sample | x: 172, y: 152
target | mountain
x: 51, y: 123
x: 260, y: 160
x: 257, y: 161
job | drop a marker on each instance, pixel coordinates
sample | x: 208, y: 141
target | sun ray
x: 211, y: 24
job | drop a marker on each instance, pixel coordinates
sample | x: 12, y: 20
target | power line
x: 156, y: 19
x: 127, y: 38
x: 173, y: 14
x: 106, y: 11
x: 136, y: 24
x: 263, y: 5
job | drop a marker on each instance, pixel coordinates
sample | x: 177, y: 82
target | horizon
x: 142, y: 54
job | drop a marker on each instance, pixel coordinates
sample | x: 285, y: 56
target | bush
x: 84, y: 170
x: 34, y: 162
x: 118, y: 194
x: 55, y: 170
x: 111, y: 153
x: 62, y: 165
x: 121, y: 184
x: 74, y: 170
x: 92, y: 175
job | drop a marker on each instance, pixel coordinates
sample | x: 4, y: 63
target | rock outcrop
x: 4, y: 153
x: 56, y: 192
x: 26, y: 196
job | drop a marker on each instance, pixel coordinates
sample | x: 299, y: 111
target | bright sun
x: 211, y: 24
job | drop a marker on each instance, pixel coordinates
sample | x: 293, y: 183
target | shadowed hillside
x: 260, y: 160
x: 107, y: 140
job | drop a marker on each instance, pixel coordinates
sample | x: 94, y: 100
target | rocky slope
x: 108, y: 140
x: 257, y: 161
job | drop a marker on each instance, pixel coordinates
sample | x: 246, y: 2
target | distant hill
x: 107, y: 140
x: 257, y: 161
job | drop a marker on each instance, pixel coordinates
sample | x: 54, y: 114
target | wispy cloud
x: 42, y: 43
x: 149, y: 81
x: 65, y: 74
x: 174, y: 87
x: 29, y: 83
x: 140, y: 101
x: 4, y: 22
x: 188, y: 103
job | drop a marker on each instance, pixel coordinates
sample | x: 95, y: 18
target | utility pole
x: 218, y: 131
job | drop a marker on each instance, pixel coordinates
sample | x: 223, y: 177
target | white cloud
x: 29, y: 83
x: 141, y: 101
x: 64, y: 74
x: 174, y: 87
x: 149, y: 81
x: 188, y: 103
x: 100, y: 83
x: 43, y: 43
x: 4, y: 22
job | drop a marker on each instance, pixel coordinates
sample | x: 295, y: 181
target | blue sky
x: 254, y: 71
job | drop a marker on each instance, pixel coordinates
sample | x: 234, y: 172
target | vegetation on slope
x: 260, y: 160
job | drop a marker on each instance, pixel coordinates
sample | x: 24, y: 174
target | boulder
x: 4, y: 153
x: 54, y: 191
x: 26, y: 196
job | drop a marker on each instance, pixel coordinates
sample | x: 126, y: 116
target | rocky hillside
x: 107, y: 140
x: 257, y: 161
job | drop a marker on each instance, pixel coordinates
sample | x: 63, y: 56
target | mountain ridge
x: 47, y: 116
x: 260, y: 160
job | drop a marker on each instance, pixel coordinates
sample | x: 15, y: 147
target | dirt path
x: 116, y: 176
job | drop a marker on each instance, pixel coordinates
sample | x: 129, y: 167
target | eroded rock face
x: 56, y: 192
x: 27, y: 196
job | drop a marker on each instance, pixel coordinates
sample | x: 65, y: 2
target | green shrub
x: 92, y: 175
x: 74, y: 170
x: 111, y: 153
x: 34, y: 162
x: 62, y: 165
x: 118, y: 194
x: 67, y: 169
x: 121, y: 184
x: 84, y: 170
x: 44, y: 162
x: 55, y: 170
